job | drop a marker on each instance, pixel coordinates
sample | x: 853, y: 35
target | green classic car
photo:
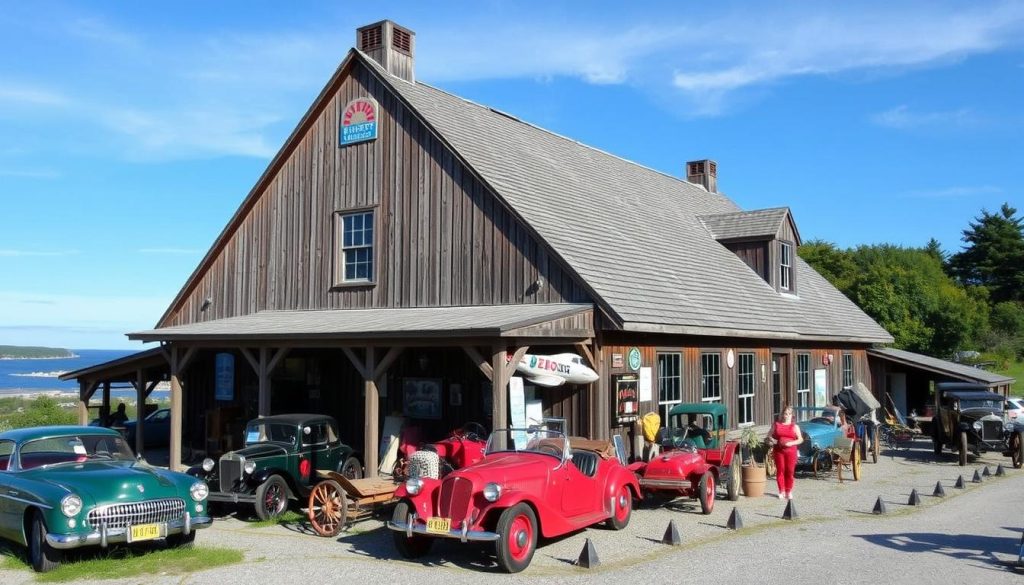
x: 281, y: 456
x: 66, y: 487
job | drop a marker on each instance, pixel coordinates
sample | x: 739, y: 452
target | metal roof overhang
x: 433, y: 323
x: 938, y: 366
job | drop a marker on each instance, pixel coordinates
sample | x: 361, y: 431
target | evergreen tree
x: 993, y: 256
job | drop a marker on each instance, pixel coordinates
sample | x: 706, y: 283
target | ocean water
x: 34, y: 375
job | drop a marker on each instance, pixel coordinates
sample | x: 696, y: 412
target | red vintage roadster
x: 530, y: 483
x: 695, y: 457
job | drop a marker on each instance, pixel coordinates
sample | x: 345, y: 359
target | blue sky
x: 130, y: 133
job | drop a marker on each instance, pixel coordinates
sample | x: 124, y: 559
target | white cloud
x: 14, y: 94
x: 903, y: 118
x: 99, y: 31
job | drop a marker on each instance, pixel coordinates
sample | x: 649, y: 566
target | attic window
x: 714, y: 169
x: 370, y: 38
x: 786, y: 267
x: 402, y: 41
x: 696, y: 168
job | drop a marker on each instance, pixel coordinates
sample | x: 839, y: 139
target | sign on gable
x: 358, y: 121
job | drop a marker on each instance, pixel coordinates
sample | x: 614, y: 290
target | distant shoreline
x: 70, y: 356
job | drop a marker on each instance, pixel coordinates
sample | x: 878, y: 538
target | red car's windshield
x: 531, y: 440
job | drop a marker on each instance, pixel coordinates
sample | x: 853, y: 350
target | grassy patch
x: 1015, y: 370
x: 119, y: 563
x: 289, y: 517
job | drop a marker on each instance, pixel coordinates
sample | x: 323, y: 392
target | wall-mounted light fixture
x: 206, y: 304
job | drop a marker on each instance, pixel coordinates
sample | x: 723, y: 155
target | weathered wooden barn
x: 404, y: 243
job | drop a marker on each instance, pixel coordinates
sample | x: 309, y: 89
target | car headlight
x: 1007, y: 426
x: 71, y: 505
x: 977, y: 425
x: 249, y: 467
x: 492, y: 492
x: 208, y: 465
x: 199, y: 491
x: 413, y: 485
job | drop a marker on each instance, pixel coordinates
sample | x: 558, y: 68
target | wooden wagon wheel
x: 328, y: 508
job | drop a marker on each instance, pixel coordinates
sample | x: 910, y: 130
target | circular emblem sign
x: 634, y: 359
x: 359, y: 121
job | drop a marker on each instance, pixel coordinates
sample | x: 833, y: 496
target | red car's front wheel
x: 706, y: 492
x: 517, y: 528
x: 622, y: 508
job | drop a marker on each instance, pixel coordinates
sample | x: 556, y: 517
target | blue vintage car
x: 828, y: 440
x: 66, y: 487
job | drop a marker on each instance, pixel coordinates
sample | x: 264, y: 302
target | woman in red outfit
x: 785, y: 436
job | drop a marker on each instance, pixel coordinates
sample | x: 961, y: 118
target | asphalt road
x: 970, y: 536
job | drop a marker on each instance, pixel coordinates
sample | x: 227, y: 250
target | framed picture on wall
x: 421, y: 397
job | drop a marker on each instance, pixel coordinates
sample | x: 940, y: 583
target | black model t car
x: 281, y: 456
x: 971, y: 418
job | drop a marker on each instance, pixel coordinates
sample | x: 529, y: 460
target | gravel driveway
x: 968, y: 536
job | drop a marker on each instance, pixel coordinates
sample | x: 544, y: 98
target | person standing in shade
x: 118, y: 418
x: 785, y: 436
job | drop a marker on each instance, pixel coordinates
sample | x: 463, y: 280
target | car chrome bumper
x: 410, y: 527
x: 667, y: 484
x: 105, y: 536
x: 231, y: 498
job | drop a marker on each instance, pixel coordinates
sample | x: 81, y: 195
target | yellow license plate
x: 145, y: 532
x: 440, y: 525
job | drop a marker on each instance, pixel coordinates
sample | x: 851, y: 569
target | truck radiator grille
x: 455, y: 499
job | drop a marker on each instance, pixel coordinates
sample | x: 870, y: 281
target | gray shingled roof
x: 941, y: 366
x: 760, y: 223
x: 419, y: 322
x: 639, y: 244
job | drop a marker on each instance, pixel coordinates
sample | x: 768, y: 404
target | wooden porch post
x: 105, y: 409
x: 371, y: 406
x: 140, y: 410
x: 178, y: 363
x: 83, y: 403
x: 263, y: 369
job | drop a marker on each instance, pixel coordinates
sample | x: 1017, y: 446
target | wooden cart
x: 337, y: 500
x: 844, y: 454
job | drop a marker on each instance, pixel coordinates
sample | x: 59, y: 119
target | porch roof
x: 122, y: 369
x: 940, y: 366
x: 540, y: 320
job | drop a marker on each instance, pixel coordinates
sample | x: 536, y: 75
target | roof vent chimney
x: 390, y: 45
x: 703, y: 172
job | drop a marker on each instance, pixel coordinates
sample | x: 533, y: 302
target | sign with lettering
x: 358, y: 121
x: 627, y: 397
x: 224, y: 377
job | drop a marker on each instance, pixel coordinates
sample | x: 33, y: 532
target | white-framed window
x: 355, y: 260
x: 803, y: 380
x: 710, y: 377
x: 785, y: 266
x: 745, y: 388
x: 847, y: 370
x: 670, y: 383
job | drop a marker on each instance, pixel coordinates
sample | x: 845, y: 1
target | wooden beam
x: 371, y: 405
x: 385, y: 363
x: 255, y: 365
x: 140, y: 411
x: 589, y: 355
x: 264, y: 385
x: 83, y: 404
x: 357, y: 363
x: 174, y: 459
x: 189, y: 354
x: 480, y: 362
x: 516, y: 358
x: 87, y: 390
x: 499, y: 388
x: 278, y: 356
x: 151, y: 386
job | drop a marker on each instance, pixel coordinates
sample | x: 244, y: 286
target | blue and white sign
x: 358, y: 121
x: 224, y: 377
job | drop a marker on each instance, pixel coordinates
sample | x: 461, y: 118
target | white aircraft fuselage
x: 555, y: 370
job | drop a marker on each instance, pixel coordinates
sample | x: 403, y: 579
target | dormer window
x: 785, y: 266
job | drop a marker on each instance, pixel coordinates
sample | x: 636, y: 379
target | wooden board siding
x: 692, y: 348
x: 442, y: 239
x: 753, y: 254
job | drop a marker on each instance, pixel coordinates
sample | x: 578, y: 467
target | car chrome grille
x: 125, y: 515
x: 230, y: 472
x: 456, y: 497
x: 991, y: 430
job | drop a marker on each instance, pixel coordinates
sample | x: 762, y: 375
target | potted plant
x: 753, y: 473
